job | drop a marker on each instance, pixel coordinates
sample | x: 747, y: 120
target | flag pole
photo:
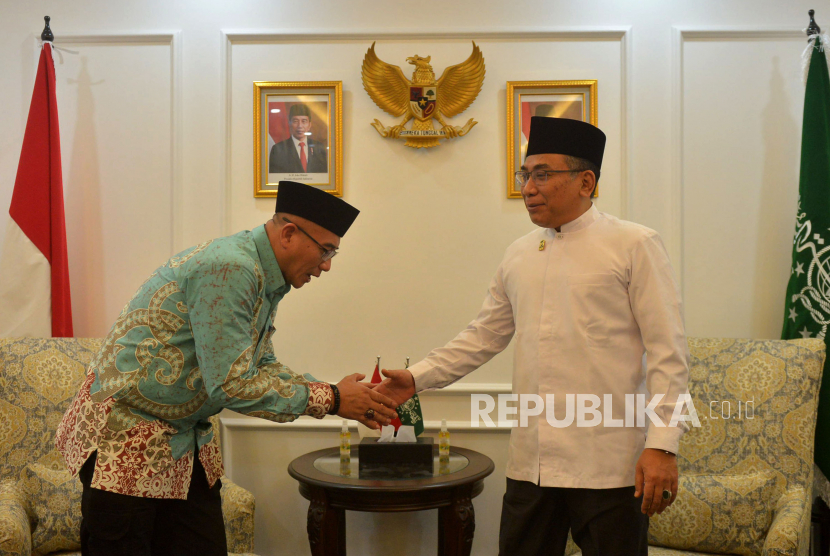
x: 813, y: 28
x: 47, y: 32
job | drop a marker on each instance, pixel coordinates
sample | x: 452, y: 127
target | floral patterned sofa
x: 40, y: 508
x: 746, y: 479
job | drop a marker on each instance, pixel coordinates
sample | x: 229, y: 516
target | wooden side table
x: 332, y: 491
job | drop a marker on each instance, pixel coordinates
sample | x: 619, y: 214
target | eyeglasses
x: 540, y: 176
x: 327, y: 255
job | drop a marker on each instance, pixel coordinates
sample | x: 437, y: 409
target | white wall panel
x: 742, y: 102
x: 116, y: 106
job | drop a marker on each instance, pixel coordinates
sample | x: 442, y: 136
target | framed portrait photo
x: 298, y: 135
x: 559, y: 99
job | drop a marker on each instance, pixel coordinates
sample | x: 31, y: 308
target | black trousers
x: 603, y: 522
x: 119, y: 525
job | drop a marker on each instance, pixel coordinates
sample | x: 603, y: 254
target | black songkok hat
x: 299, y: 110
x: 566, y: 136
x: 315, y: 205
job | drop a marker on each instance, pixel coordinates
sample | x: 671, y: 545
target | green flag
x: 807, y: 311
x: 409, y: 413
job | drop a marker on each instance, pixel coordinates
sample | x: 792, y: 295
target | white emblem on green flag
x: 409, y: 412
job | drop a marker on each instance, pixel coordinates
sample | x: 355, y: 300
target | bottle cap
x: 345, y: 427
x: 443, y: 425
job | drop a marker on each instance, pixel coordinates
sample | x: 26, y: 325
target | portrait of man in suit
x: 300, y: 153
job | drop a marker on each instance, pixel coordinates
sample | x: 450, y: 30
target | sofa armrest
x: 238, y: 510
x: 789, y: 534
x: 15, y: 529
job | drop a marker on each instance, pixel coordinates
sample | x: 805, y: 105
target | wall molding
x: 173, y: 39
x: 333, y: 425
x: 468, y: 388
x: 330, y: 426
x: 680, y: 36
x: 230, y: 37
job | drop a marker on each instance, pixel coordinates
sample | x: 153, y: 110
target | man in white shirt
x: 586, y: 295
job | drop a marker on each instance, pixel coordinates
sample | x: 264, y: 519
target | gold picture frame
x: 298, y: 135
x: 562, y: 99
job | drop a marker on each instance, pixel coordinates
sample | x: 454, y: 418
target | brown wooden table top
x: 303, y: 470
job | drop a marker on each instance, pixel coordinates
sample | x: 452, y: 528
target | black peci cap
x: 298, y: 110
x: 566, y: 136
x: 315, y: 205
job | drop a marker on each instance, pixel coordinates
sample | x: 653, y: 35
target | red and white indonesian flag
x: 34, y: 273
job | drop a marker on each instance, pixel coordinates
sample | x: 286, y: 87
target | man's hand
x: 656, y: 472
x: 398, y: 385
x: 357, y: 398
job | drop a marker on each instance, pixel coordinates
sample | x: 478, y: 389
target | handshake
x: 374, y: 404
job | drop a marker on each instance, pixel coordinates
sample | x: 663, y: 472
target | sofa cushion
x: 40, y: 377
x: 780, y: 380
x: 55, y: 497
x: 724, y: 514
x: 654, y: 551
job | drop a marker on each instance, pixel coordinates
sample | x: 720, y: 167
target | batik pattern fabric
x: 573, y: 550
x: 15, y: 529
x: 193, y: 340
x: 54, y: 496
x: 238, y: 512
x: 40, y: 377
x: 772, y: 437
x: 746, y: 474
x: 719, y: 514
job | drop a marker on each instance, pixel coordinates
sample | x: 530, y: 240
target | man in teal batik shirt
x: 193, y: 340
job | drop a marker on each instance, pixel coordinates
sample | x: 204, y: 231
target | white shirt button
x: 560, y: 236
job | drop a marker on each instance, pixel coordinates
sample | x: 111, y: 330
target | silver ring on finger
x: 666, y: 494
x: 370, y: 414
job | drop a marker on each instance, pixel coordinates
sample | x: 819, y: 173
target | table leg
x: 326, y: 526
x: 456, y: 526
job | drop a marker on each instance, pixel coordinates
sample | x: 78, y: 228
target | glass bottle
x: 444, y: 444
x: 345, y: 449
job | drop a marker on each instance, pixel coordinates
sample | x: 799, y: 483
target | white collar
x: 583, y: 221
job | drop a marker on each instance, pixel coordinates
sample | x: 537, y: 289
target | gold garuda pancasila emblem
x: 423, y: 98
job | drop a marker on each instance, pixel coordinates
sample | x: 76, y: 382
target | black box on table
x: 395, y: 460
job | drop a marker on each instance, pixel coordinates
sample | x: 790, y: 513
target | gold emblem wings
x: 423, y: 97
x: 460, y: 84
x: 385, y: 84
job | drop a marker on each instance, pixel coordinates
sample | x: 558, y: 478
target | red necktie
x: 303, y: 160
